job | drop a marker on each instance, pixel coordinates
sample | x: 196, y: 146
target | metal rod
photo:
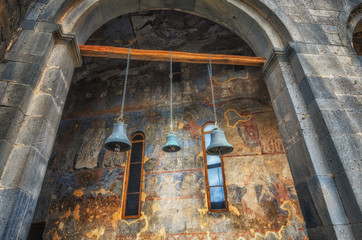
x: 209, y: 67
x: 171, y: 76
x: 125, y: 85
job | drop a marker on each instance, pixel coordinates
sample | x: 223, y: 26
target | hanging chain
x: 171, y: 76
x: 209, y: 67
x: 125, y: 85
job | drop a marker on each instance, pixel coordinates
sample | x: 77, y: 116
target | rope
x: 171, y: 76
x: 125, y: 85
x: 209, y: 67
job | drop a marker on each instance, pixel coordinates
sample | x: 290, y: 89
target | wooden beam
x: 164, y: 56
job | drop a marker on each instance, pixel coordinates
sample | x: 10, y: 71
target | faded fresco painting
x: 82, y: 196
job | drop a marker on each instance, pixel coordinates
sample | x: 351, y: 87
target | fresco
x: 83, y: 189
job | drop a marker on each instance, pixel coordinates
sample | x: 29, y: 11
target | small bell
x: 171, y: 144
x: 118, y: 141
x: 218, y: 144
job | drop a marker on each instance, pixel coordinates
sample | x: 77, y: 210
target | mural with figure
x: 83, y: 190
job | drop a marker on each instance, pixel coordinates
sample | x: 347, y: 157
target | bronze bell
x: 171, y: 144
x: 218, y: 144
x: 118, y: 141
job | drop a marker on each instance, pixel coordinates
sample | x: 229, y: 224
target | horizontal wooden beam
x: 164, y: 56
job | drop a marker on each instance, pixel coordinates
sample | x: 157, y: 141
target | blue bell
x: 118, y: 141
x: 218, y: 144
x: 171, y: 144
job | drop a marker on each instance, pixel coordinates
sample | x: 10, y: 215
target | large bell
x: 218, y: 144
x: 118, y: 141
x: 171, y: 144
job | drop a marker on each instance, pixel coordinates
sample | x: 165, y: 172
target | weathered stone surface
x: 2, y: 87
x: 350, y: 202
x: 17, y: 211
x: 10, y: 14
x: 20, y: 72
x: 41, y: 130
x: 10, y: 121
x: 61, y: 58
x: 16, y: 95
x: 5, y: 149
x: 326, y: 200
x: 53, y: 83
x: 45, y: 106
x: 25, y: 169
x: 32, y: 43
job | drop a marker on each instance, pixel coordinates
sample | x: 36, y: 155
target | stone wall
x: 10, y: 14
x: 83, y: 188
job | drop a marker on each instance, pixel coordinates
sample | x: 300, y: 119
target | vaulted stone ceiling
x: 166, y: 30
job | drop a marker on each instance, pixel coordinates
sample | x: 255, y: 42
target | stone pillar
x: 34, y: 83
x: 315, y: 163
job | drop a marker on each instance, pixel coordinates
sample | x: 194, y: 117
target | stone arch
x: 269, y: 32
x: 349, y: 17
x: 234, y: 15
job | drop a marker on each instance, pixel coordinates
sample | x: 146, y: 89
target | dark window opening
x: 214, y: 171
x: 36, y: 231
x: 357, y: 38
x: 132, y: 198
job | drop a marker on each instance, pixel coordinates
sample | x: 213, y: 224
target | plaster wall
x: 83, y: 189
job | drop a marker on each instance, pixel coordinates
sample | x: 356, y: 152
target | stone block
x: 297, y: 68
x: 326, y: 200
x: 10, y: 120
x: 39, y: 133
x: 345, y: 232
x: 54, y: 84
x: 321, y: 65
x: 332, y: 122
x: 25, y: 169
x: 61, y: 58
x: 28, y: 24
x: 319, y: 104
x: 351, y: 102
x: 283, y: 104
x: 16, y: 219
x: 109, y: 8
x: 34, y: 11
x: 309, y: 210
x: 49, y: 11
x: 348, y: 147
x: 45, y: 27
x: 328, y: 5
x: 44, y: 105
x: 334, y: 38
x: 5, y: 149
x: 306, y: 48
x: 326, y: 232
x: 357, y: 229
x: 16, y: 95
x: 356, y: 120
x: 349, y: 188
x: 315, y: 87
x: 2, y: 87
x: 313, y: 33
x: 33, y: 43
x: 20, y: 72
x: 319, y: 165
x: 274, y: 80
x: 146, y: 5
x: 87, y: 23
x: 299, y: 162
